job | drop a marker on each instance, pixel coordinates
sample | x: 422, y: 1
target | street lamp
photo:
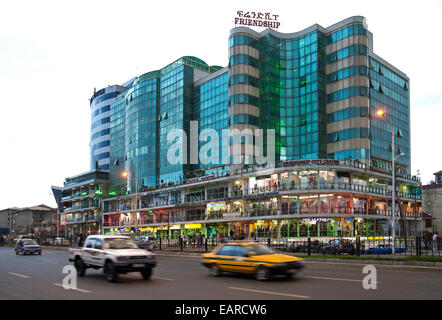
x: 381, y: 114
x: 126, y: 175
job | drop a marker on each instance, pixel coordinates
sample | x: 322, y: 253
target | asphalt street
x: 183, y: 277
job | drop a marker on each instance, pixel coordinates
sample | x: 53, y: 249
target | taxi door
x: 243, y: 263
x: 225, y: 258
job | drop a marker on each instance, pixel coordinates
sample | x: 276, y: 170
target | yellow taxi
x: 252, y: 258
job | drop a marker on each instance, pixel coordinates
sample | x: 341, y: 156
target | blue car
x: 27, y: 246
x: 384, y: 249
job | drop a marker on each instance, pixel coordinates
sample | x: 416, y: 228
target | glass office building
x: 100, y: 126
x: 318, y: 89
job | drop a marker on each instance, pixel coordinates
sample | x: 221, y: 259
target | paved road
x: 179, y: 277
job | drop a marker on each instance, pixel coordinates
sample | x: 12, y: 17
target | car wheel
x: 289, y: 275
x: 147, y: 273
x: 16, y: 252
x: 214, y: 270
x: 39, y: 252
x: 80, y: 267
x: 111, y: 272
x: 263, y: 273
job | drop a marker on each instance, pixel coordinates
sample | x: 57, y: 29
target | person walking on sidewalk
x: 435, y: 241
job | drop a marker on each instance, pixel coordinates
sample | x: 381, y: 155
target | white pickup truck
x: 116, y: 254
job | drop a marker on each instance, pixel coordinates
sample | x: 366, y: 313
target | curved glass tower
x: 100, y: 126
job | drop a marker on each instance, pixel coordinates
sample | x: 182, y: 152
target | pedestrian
x: 80, y: 240
x: 435, y: 241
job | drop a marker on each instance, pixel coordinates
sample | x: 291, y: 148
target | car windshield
x: 259, y: 249
x: 29, y: 242
x: 121, y: 243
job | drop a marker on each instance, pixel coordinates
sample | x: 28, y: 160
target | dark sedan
x: 27, y: 246
x: 339, y: 246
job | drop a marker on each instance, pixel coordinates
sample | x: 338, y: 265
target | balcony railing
x: 228, y: 216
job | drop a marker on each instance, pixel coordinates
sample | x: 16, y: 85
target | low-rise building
x: 40, y: 221
x: 432, y: 204
x: 79, y: 202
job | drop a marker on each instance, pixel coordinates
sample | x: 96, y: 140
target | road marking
x: 336, y: 279
x: 274, y: 293
x: 160, y: 278
x: 76, y: 289
x: 19, y: 275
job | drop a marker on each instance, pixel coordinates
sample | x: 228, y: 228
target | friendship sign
x: 257, y: 19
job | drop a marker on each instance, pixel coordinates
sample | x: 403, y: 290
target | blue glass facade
x: 141, y: 118
x: 211, y: 112
x: 389, y: 91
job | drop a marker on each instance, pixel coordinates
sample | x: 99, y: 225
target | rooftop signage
x: 257, y: 19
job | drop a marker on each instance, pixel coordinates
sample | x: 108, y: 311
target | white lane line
x: 274, y: 293
x: 160, y: 278
x: 19, y: 275
x: 76, y: 289
x: 335, y: 279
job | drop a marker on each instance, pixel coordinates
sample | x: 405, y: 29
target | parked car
x: 116, y: 254
x: 384, y: 249
x: 2, y: 241
x: 27, y: 246
x: 147, y: 242
x: 251, y: 258
x: 339, y: 246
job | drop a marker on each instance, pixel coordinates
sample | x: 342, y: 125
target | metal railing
x: 363, y: 246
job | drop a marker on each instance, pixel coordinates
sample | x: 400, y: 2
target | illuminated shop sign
x: 216, y: 204
x: 311, y: 220
x: 199, y: 179
x: 319, y: 162
x: 193, y: 226
x: 257, y: 19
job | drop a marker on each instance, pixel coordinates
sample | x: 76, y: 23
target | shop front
x: 263, y: 184
x: 263, y: 229
x: 216, y: 210
x: 193, y: 230
x: 330, y: 227
x: 259, y: 208
x: 216, y: 231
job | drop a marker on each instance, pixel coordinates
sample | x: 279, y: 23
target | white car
x: 115, y: 254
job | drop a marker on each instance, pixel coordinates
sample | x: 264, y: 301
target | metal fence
x: 376, y: 247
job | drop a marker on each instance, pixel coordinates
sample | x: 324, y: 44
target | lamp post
x: 125, y: 175
x: 381, y: 113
